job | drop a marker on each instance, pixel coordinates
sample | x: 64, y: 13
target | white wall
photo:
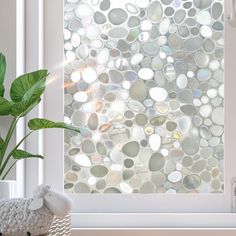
x: 8, y: 48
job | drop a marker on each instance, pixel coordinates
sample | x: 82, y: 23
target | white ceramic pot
x: 8, y: 189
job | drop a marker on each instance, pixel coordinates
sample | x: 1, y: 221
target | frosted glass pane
x: 144, y: 81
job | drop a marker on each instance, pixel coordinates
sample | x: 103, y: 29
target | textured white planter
x: 8, y: 189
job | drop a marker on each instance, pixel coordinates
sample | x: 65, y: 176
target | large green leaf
x: 30, y: 107
x: 20, y: 108
x: 36, y: 124
x: 5, y: 107
x: 30, y: 99
x: 31, y: 84
x: 2, y: 73
x: 24, y: 107
x: 20, y: 154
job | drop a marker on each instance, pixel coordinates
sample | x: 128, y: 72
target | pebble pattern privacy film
x: 144, y: 80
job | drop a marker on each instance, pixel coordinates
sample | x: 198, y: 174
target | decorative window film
x: 144, y: 80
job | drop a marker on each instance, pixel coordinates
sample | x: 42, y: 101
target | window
x: 144, y: 82
x: 146, y: 208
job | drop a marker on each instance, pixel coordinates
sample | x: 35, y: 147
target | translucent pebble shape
x: 164, y: 26
x: 206, y: 31
x: 202, y: 4
x: 78, y: 118
x: 156, y: 162
x: 146, y: 25
x: 192, y: 181
x: 99, y: 171
x: 217, y: 9
x: 103, y: 56
x: 190, y: 145
x: 145, y: 73
x: 126, y: 188
x: 136, y: 59
x: 155, y: 142
x: 83, y: 10
x: 201, y: 59
x: 203, y: 18
x: 81, y: 97
x: 182, y: 81
x: 193, y: 44
x: 82, y: 160
x: 75, y: 40
x: 81, y: 188
x: 89, y: 75
x: 155, y: 11
x: 138, y: 90
x: 184, y: 124
x: 118, y: 32
x: 217, y: 115
x: 205, y: 110
x: 158, y: 94
x: 117, y: 16
x: 131, y: 8
x: 99, y: 18
x: 142, y: 3
x: 174, y: 176
x: 131, y: 149
x: 179, y: 16
x: 105, y: 5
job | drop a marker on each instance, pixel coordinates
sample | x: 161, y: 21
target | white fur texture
x: 18, y: 218
x: 58, y: 203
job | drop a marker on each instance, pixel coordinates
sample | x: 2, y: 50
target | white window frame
x: 20, y: 69
x: 16, y: 30
x: 33, y: 61
x: 103, y: 210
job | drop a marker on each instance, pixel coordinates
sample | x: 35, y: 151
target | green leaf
x: 30, y: 99
x: 5, y: 107
x: 1, y: 143
x: 27, y: 85
x: 20, y: 154
x: 32, y: 106
x: 2, y: 73
x: 2, y: 90
x: 2, y: 67
x: 36, y: 124
x: 24, y: 107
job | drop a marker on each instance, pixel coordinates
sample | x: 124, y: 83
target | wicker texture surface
x: 60, y: 227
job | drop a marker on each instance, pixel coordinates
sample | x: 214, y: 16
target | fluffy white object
x: 32, y: 216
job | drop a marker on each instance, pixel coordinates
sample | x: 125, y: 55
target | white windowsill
x: 154, y: 232
x: 153, y: 220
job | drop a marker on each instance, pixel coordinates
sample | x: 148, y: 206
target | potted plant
x: 25, y: 94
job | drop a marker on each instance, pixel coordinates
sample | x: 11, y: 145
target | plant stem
x: 8, y: 138
x: 5, y: 175
x: 22, y: 140
x: 10, y: 154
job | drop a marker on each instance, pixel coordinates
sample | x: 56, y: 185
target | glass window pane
x: 144, y: 81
